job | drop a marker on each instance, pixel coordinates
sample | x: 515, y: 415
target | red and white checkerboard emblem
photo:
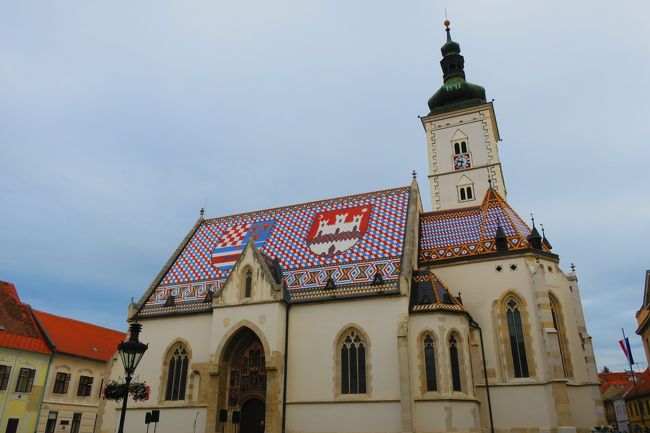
x: 335, y: 231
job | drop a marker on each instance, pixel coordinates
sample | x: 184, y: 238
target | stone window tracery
x: 430, y: 363
x: 516, y: 338
x: 178, y: 365
x: 558, y: 324
x: 454, y: 361
x: 353, y: 363
x: 248, y: 284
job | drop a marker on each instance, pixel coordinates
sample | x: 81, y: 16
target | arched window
x: 463, y: 147
x: 248, y: 284
x: 516, y: 335
x: 177, y: 373
x: 353, y: 363
x: 455, y: 364
x: 430, y: 363
x: 470, y: 195
x: 558, y: 324
x: 463, y: 197
x: 457, y: 148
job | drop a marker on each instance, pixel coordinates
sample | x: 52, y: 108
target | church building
x: 368, y: 313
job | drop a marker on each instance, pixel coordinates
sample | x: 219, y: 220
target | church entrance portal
x: 252, y: 416
x: 244, y: 382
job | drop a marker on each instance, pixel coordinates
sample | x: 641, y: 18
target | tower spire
x: 455, y: 92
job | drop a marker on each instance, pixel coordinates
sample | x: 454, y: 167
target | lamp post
x: 131, y: 352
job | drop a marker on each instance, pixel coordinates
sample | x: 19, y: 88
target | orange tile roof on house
x: 19, y: 328
x: 82, y: 339
x: 642, y: 386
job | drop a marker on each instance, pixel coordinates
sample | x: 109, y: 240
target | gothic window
x: 353, y: 363
x: 516, y: 336
x: 430, y: 363
x: 248, y: 284
x: 457, y: 148
x: 463, y: 147
x: 455, y: 364
x: 561, y: 336
x: 178, y: 363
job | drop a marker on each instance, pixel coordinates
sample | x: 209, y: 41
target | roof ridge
x: 209, y: 220
x: 79, y: 321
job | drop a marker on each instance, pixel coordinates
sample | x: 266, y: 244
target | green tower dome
x: 456, y: 92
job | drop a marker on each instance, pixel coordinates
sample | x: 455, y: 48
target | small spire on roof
x: 202, y: 211
x: 544, y: 240
x: 573, y: 267
x: 534, y: 238
x: 414, y: 174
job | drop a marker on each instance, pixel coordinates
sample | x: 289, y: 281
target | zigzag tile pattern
x: 470, y: 231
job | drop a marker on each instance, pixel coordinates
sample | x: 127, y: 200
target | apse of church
x: 365, y: 313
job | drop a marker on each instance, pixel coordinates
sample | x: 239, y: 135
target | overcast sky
x: 119, y: 120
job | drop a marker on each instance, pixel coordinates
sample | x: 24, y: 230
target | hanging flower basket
x: 116, y: 391
x: 139, y: 391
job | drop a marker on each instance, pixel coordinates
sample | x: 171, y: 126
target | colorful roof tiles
x: 429, y: 293
x: 80, y: 338
x: 20, y: 330
x: 471, y: 231
x: 348, y: 239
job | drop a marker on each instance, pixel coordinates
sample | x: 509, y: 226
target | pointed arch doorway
x: 245, y: 381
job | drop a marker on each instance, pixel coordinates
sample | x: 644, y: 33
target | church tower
x: 462, y: 137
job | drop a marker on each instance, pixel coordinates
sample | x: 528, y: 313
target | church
x: 369, y: 313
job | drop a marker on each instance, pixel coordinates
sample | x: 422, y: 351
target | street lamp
x: 131, y: 352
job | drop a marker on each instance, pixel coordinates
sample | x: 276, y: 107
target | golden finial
x: 447, y: 24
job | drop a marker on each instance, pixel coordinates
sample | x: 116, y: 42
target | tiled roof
x: 642, y: 386
x: 429, y: 293
x: 347, y: 239
x: 20, y: 329
x: 80, y: 338
x: 464, y: 232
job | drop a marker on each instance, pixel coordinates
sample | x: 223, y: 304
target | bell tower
x: 462, y: 137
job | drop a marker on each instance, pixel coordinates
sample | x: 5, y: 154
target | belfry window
x: 455, y: 364
x: 248, y: 284
x: 177, y: 374
x: 353, y: 363
x: 460, y: 147
x: 516, y: 335
x: 430, y: 363
x: 465, y: 193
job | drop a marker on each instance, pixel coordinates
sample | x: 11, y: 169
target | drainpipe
x: 286, y: 363
x: 40, y: 406
x: 475, y: 325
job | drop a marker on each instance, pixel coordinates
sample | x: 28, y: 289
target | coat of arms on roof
x: 234, y: 239
x: 333, y: 232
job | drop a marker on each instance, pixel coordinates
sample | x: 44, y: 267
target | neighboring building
x: 613, y: 385
x: 620, y: 409
x: 25, y: 357
x: 344, y: 315
x: 74, y: 388
x: 637, y: 401
x: 643, y: 317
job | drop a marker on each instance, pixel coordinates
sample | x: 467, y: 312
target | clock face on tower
x: 462, y: 161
